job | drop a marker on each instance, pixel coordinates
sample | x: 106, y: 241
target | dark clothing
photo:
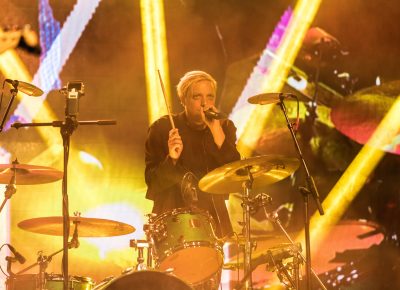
x: 200, y: 155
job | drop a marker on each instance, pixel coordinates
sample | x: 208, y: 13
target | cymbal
x: 358, y: 116
x: 28, y: 174
x: 26, y: 88
x: 87, y: 227
x: 265, y: 99
x: 265, y: 170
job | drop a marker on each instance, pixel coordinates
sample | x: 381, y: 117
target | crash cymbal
x: 358, y: 116
x: 28, y: 174
x: 87, y: 227
x: 265, y: 170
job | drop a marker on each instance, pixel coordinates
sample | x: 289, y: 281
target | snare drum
x: 185, y: 244
x: 52, y: 282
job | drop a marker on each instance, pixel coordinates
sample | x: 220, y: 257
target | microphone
x: 210, y: 114
x: 75, y: 90
x: 17, y: 255
x: 25, y: 88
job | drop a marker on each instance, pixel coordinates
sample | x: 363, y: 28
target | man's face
x: 201, y: 97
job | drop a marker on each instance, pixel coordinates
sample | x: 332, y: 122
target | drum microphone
x: 210, y: 114
x: 17, y: 255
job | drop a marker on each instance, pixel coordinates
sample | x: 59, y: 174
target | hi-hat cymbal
x: 28, y: 174
x: 359, y: 115
x: 265, y: 170
x: 87, y: 227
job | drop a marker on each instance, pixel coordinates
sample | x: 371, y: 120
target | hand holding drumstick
x: 175, y: 145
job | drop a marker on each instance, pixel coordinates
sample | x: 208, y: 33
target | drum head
x: 147, y: 280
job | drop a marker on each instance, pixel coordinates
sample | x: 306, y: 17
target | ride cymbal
x: 28, y: 174
x: 265, y: 170
x: 87, y: 227
x: 359, y: 115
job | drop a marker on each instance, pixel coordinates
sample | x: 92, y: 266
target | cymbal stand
x: 273, y: 217
x: 139, y: 245
x: 247, y: 203
x: 11, y: 187
x: 74, y: 91
x: 311, y: 189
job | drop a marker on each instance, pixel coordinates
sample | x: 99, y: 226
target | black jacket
x: 200, y: 155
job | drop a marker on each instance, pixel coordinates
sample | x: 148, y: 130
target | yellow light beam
x: 355, y: 176
x: 301, y: 19
x: 155, y: 56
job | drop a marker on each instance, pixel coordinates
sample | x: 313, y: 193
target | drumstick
x: 165, y: 99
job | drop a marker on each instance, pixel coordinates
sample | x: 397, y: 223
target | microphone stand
x: 273, y: 217
x: 67, y: 127
x: 305, y: 191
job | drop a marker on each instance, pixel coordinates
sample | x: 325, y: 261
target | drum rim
x: 187, y: 245
x: 75, y: 278
x: 108, y: 283
x: 183, y: 210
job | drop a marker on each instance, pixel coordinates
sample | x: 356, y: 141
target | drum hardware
x: 140, y: 245
x: 150, y: 230
x: 244, y: 176
x: 310, y: 188
x: 296, y: 248
x: 43, y: 261
x: 73, y: 92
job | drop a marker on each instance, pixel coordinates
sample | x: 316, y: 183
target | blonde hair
x: 191, y: 78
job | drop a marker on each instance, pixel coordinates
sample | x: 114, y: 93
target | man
x: 197, y: 145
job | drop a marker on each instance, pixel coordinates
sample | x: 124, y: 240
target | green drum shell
x: 52, y: 282
x: 55, y: 282
x: 185, y: 242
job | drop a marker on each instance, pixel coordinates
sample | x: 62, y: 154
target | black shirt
x: 200, y: 155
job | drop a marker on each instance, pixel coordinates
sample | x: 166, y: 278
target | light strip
x: 155, y: 56
x: 255, y: 119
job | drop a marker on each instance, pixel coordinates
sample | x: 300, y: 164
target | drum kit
x: 183, y: 251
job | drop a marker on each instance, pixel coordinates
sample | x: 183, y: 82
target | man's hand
x: 175, y: 145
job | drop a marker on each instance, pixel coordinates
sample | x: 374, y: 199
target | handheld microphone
x: 17, y: 255
x: 210, y: 114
